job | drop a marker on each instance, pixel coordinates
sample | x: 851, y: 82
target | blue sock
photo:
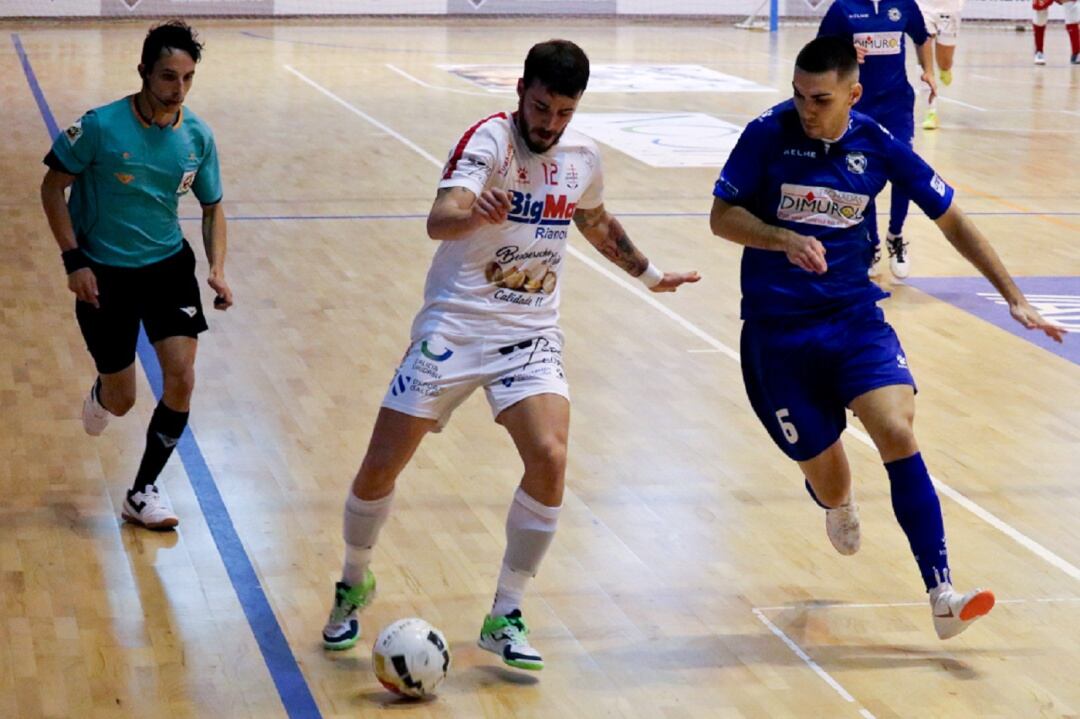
x: 814, y: 496
x: 918, y: 511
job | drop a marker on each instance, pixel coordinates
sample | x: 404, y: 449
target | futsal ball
x: 410, y: 657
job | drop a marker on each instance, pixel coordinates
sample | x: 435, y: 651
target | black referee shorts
x: 163, y: 296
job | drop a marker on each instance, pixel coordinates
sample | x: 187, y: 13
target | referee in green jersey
x: 127, y: 164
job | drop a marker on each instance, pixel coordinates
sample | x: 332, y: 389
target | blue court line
x: 408, y: 216
x: 291, y: 686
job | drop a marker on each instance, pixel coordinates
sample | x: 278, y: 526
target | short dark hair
x: 828, y: 53
x: 559, y: 65
x: 175, y: 35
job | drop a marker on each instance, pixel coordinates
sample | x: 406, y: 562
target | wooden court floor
x: 691, y: 576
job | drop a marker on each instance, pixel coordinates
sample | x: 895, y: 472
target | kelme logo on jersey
x: 822, y: 206
x: 879, y: 43
x: 552, y: 210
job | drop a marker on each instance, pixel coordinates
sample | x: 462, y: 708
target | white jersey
x: 502, y: 282
x: 942, y: 7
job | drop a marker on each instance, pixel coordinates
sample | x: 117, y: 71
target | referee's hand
x: 83, y: 283
x: 223, y: 300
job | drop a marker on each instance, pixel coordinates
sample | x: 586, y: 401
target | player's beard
x: 526, y: 132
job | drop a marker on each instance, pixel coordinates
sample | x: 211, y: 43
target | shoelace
x: 343, y: 607
x: 515, y: 631
x: 897, y: 248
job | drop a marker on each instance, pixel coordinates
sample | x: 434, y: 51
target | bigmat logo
x: 552, y: 210
x: 821, y: 206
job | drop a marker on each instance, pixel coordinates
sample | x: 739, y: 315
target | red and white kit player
x: 502, y: 213
x: 1072, y: 26
x: 503, y: 280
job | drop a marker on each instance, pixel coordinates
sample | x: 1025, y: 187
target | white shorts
x: 438, y: 373
x: 943, y: 26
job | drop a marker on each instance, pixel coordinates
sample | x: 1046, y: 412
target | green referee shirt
x: 130, y: 176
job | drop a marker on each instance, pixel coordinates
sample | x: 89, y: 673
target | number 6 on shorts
x: 787, y: 427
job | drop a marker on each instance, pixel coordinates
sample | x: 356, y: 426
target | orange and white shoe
x: 954, y: 612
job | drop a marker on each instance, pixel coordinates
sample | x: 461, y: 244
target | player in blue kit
x: 877, y: 28
x: 127, y: 164
x: 796, y: 192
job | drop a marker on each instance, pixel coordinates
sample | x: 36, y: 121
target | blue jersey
x: 129, y: 179
x: 822, y: 189
x: 879, y: 26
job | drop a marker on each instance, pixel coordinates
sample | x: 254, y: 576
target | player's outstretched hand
x: 223, y: 300
x: 83, y: 282
x: 1029, y: 317
x: 493, y: 206
x: 806, y: 252
x: 672, y: 281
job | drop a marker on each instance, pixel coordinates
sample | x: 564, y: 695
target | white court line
x: 885, y: 605
x: 624, y: 282
x: 759, y: 612
x: 814, y: 666
x: 964, y: 104
x: 421, y: 83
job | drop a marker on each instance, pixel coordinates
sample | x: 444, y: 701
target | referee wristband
x: 74, y: 260
x: 651, y: 276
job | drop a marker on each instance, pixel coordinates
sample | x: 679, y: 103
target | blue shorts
x: 801, y: 374
x: 896, y: 117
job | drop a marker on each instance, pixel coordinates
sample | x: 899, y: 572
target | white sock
x: 510, y: 591
x: 363, y: 520
x: 530, y: 527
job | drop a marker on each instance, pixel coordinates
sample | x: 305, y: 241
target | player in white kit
x: 942, y: 18
x: 508, y: 193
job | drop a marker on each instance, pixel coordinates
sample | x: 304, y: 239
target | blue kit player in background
x: 796, y: 192
x: 127, y: 164
x: 877, y: 27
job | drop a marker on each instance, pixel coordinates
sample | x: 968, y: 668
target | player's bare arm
x: 738, y: 225
x: 604, y: 232
x: 215, y: 242
x: 457, y: 211
x: 926, y: 62
x: 81, y: 282
x: 970, y: 242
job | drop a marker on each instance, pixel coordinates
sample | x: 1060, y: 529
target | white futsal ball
x: 410, y: 657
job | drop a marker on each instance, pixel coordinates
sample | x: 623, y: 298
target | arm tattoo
x: 608, y: 236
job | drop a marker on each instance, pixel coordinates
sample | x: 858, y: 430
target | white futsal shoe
x: 842, y: 526
x: 954, y: 612
x: 148, y: 509
x: 94, y: 417
x: 899, y: 259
